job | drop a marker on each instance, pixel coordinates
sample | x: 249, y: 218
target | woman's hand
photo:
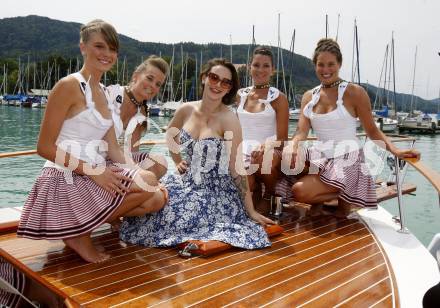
x: 111, y: 180
x: 261, y: 219
x: 165, y: 193
x: 182, y: 166
x: 407, y: 153
x: 257, y: 154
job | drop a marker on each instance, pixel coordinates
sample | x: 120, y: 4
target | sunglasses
x: 225, y: 83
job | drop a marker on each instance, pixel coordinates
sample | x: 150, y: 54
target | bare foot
x: 83, y: 246
x: 333, y: 202
x: 317, y: 210
x: 343, y: 210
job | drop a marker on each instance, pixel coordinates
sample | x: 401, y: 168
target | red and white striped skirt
x: 347, y: 172
x: 16, y: 279
x: 60, y: 208
x: 138, y: 157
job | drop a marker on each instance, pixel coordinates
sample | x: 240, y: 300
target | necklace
x: 333, y: 84
x: 262, y: 86
x: 131, y: 97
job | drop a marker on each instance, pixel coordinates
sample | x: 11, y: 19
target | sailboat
x: 382, y: 117
x: 417, y: 121
x: 364, y: 260
x: 294, y: 112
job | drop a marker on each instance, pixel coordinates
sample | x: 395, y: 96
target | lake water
x: 19, y: 128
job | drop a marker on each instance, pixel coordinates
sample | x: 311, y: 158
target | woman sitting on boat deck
x: 264, y: 118
x: 336, y: 161
x: 209, y: 199
x: 77, y: 191
x: 129, y: 110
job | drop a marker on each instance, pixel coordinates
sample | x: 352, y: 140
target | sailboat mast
x: 6, y: 80
x: 34, y: 75
x: 251, y: 48
x: 3, y: 88
x: 387, y: 77
x: 171, y: 90
x: 326, y: 26
x: 378, y: 98
x: 438, y: 105
x: 353, y: 51
x: 357, y: 52
x: 291, y: 89
x: 337, y: 29
x: 414, y: 77
x: 230, y: 45
x: 117, y: 70
x: 181, y: 72
x: 278, y: 52
x: 186, y: 77
x: 394, y: 73
x: 27, y: 75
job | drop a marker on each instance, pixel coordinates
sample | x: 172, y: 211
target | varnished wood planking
x: 114, y: 263
x: 118, y: 257
x: 133, y: 263
x: 224, y: 266
x: 291, y: 280
x: 140, y: 276
x: 252, y: 280
x: 369, y: 295
x: 348, y: 288
x: 294, y: 292
x: 115, y: 266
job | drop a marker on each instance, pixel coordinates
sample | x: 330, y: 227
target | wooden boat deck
x: 317, y: 261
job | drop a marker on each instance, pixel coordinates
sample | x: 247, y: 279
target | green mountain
x: 380, y: 97
x: 39, y: 37
x: 53, y: 45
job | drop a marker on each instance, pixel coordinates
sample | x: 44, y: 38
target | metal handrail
x: 402, y: 229
x: 432, y: 176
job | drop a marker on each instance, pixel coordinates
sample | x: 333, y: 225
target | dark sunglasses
x: 225, y: 83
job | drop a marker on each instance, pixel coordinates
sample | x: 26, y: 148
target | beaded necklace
x: 333, y: 84
x: 262, y: 86
x: 131, y: 97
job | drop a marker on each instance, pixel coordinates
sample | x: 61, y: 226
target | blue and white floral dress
x: 204, y: 204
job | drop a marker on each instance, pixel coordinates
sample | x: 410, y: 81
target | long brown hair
x: 229, y: 98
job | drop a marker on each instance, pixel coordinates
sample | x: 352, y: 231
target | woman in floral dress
x: 209, y: 199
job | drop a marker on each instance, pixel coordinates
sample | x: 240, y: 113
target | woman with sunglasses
x: 208, y: 198
x: 336, y: 161
x: 77, y: 189
x: 264, y: 117
x: 129, y: 110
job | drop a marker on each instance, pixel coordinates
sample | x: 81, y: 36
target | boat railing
x: 393, y: 137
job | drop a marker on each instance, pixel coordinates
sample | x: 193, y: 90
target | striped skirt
x: 65, y: 204
x: 16, y: 279
x: 348, y: 173
x: 138, y: 157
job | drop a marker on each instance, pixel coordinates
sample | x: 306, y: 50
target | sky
x: 413, y: 22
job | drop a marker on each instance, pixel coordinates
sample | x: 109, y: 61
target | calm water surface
x: 19, y: 128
